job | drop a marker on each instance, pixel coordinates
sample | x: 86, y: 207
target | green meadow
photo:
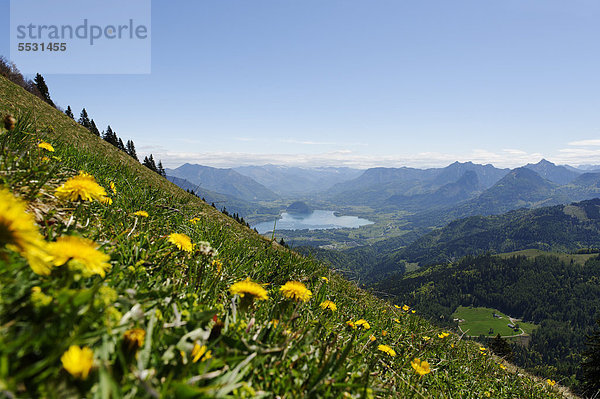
x: 479, y: 320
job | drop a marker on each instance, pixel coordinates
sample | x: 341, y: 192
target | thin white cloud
x: 585, y: 143
x: 348, y: 158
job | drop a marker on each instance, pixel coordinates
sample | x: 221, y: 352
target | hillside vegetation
x: 141, y: 292
x: 557, y: 228
x: 561, y: 296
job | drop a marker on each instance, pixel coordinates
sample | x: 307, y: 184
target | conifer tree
x: 69, y: 112
x: 111, y: 137
x: 501, y: 348
x: 590, y: 366
x: 161, y: 170
x: 149, y: 163
x: 84, y: 119
x: 130, y: 149
x: 40, y: 83
x: 120, y: 144
x: 94, y: 128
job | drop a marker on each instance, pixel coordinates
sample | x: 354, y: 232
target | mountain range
x: 224, y: 181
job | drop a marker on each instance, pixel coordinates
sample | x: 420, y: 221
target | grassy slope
x: 176, y: 298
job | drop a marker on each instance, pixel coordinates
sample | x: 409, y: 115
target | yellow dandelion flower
x: 387, y: 349
x: 46, y: 146
x: 406, y: 308
x: 397, y: 307
x: 482, y: 349
x: 551, y: 382
x: 143, y: 214
x: 217, y: 264
x: 487, y: 394
x: 80, y: 254
x: 325, y: 279
x: 106, y: 201
x: 351, y: 324
x: 365, y: 324
x: 181, y: 241
x: 426, y: 338
x: 40, y: 299
x: 384, y: 333
x: 250, y: 288
x: 413, y: 311
x: 78, y: 361
x: 372, y: 338
x: 195, y: 220
x: 443, y: 335
x: 503, y: 367
x: 19, y: 233
x: 134, y: 338
x: 397, y: 321
x: 113, y: 188
x: 421, y: 367
x: 296, y: 290
x: 81, y: 187
x: 328, y: 305
x: 200, y: 352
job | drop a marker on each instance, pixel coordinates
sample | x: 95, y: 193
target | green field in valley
x: 479, y: 320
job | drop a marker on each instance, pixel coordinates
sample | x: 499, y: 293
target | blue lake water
x: 317, y: 220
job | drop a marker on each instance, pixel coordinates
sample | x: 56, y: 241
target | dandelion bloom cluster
x: 551, y: 382
x: 325, y: 279
x: 406, y: 308
x: 194, y: 220
x: 113, y: 188
x: 78, y: 361
x: 19, y: 233
x: 81, y: 187
x: 421, y: 367
x: 443, y: 335
x: 296, y: 290
x: 328, y: 305
x: 372, y: 338
x: 200, y: 352
x: 363, y: 323
x: 387, y: 349
x: 46, y: 146
x: 80, y: 254
x: 247, y: 287
x: 134, y: 338
x: 181, y: 241
x: 143, y: 214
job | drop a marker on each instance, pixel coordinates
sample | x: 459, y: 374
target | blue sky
x: 356, y: 83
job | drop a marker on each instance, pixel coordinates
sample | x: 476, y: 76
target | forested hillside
x: 563, y: 298
x: 560, y: 228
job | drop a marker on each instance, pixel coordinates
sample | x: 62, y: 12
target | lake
x: 317, y: 220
